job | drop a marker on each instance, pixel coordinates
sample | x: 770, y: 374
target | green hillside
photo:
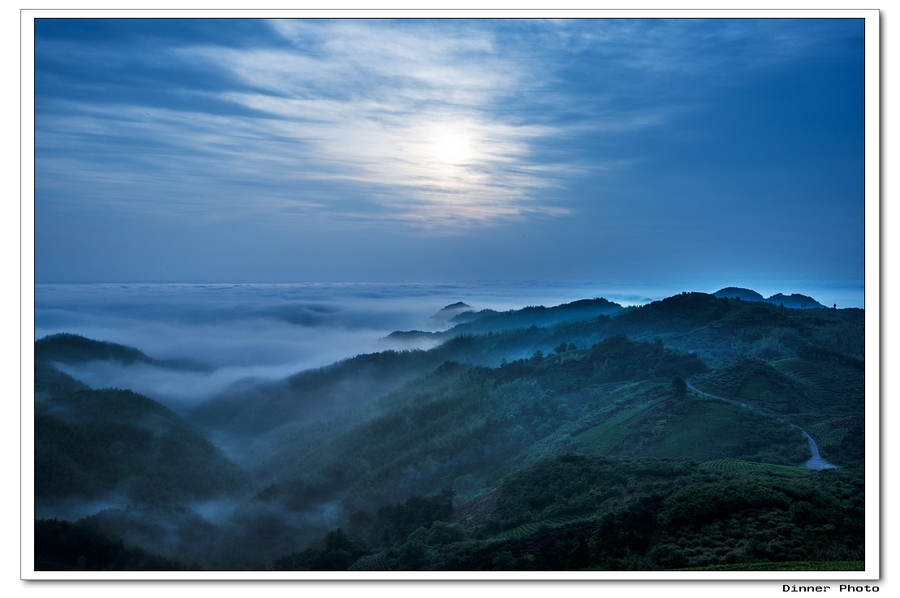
x: 95, y: 442
x: 542, y: 438
x: 73, y: 348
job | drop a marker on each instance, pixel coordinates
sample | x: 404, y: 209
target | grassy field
x: 526, y: 529
x: 833, y: 384
x: 761, y: 388
x: 603, y: 438
x: 707, y: 430
x: 828, y: 434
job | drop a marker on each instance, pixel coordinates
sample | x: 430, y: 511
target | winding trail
x: 816, y: 462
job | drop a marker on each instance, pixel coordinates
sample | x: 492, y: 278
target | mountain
x: 491, y: 321
x: 583, y: 436
x: 793, y: 301
x: 95, y: 443
x: 721, y: 330
x: 738, y: 293
x: 73, y: 348
x: 450, y: 311
x: 314, y: 395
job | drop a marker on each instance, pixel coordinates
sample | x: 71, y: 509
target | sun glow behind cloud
x: 441, y: 124
x: 451, y: 148
x: 340, y: 148
x: 409, y: 116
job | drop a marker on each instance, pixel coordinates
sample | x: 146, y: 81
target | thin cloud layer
x: 367, y: 105
x: 366, y: 131
x: 364, y: 107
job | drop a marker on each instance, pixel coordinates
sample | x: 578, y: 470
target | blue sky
x: 705, y: 153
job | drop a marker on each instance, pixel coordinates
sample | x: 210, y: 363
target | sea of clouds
x: 269, y: 331
x: 263, y: 331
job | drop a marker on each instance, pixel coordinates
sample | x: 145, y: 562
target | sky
x: 706, y: 153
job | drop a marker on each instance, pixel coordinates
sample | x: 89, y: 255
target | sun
x: 451, y: 147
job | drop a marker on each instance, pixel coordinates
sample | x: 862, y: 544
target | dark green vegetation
x: 64, y: 546
x: 586, y: 512
x: 544, y: 438
x: 71, y: 348
x: 91, y: 443
x: 794, y: 300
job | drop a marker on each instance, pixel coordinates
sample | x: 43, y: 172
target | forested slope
x: 553, y: 438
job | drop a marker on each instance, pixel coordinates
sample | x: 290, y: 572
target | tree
x: 679, y: 387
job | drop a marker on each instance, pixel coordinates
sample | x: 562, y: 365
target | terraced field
x: 706, y: 431
x: 760, y: 388
x: 526, y: 529
x: 753, y: 380
x: 603, y: 438
x: 833, y: 383
x: 828, y: 434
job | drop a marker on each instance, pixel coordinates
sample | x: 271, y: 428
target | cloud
x: 344, y: 126
x: 242, y: 331
x: 270, y: 342
x: 370, y: 104
x: 341, y: 121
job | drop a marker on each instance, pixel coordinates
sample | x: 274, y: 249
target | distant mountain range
x: 465, y: 320
x: 794, y: 300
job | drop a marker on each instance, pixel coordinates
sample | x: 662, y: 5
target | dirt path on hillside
x: 816, y: 462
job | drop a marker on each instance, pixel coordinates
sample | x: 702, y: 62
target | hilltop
x: 520, y: 434
x: 793, y: 301
x: 74, y: 348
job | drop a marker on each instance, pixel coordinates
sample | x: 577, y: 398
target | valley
x: 697, y: 432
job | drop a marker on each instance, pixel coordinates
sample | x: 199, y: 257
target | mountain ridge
x: 793, y: 301
x: 73, y: 348
x: 447, y: 453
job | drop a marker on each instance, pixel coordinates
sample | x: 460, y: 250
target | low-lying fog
x: 257, y: 331
x: 261, y: 332
x: 270, y: 331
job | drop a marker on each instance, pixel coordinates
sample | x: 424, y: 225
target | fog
x: 226, y: 325
x: 256, y: 331
x: 182, y: 389
x: 251, y: 338
x: 270, y: 331
x: 77, y: 508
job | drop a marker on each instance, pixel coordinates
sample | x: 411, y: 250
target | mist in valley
x: 583, y: 324
x: 241, y: 442
x: 243, y: 366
